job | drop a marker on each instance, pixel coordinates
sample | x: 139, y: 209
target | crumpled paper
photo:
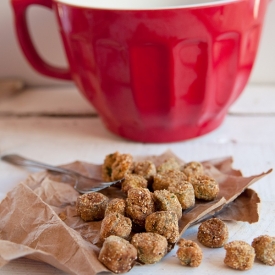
x: 39, y: 221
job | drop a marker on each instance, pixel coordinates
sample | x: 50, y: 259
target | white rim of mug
x: 210, y: 3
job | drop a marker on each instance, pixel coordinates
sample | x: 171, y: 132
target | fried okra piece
x: 122, y: 166
x: 163, y: 180
x: 115, y: 224
x: 107, y: 166
x: 116, y: 205
x: 265, y: 249
x: 239, y: 255
x: 151, y: 247
x: 117, y: 254
x: 91, y: 206
x: 167, y: 201
x: 185, y: 193
x: 192, y: 168
x: 213, y: 233
x: 132, y: 181
x: 139, y: 204
x: 164, y: 223
x: 146, y: 169
x: 168, y: 165
x: 189, y: 253
x: 205, y: 187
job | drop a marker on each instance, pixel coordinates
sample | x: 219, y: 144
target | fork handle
x: 21, y: 161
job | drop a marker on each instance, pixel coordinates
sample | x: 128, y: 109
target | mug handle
x: 20, y: 8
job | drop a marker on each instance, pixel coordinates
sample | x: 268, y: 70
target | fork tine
x: 102, y: 186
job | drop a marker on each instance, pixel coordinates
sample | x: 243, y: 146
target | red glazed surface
x: 157, y: 75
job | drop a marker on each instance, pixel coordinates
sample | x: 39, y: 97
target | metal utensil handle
x: 97, y: 184
x: 21, y: 161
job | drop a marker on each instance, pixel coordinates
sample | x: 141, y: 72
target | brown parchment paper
x: 38, y: 218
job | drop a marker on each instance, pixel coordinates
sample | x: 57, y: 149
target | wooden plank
x: 67, y: 100
x: 255, y: 100
x: 59, y: 100
x: 249, y: 140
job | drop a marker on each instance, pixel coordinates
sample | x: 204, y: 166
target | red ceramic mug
x: 156, y: 71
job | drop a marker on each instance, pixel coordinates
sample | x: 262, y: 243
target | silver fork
x: 92, y: 184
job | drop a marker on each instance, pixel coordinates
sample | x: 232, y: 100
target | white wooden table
x: 56, y: 125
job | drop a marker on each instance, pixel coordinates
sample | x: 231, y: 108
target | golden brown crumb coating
x: 164, y: 223
x: 115, y: 224
x: 239, y: 255
x: 163, y: 180
x: 122, y: 166
x: 192, y: 168
x: 151, y: 247
x: 205, y: 187
x: 117, y: 254
x: 168, y: 165
x: 139, y: 204
x: 265, y: 249
x: 91, y: 206
x: 116, y: 205
x: 167, y: 201
x: 185, y: 193
x: 131, y: 181
x: 107, y: 166
x: 146, y: 169
x: 189, y: 253
x: 213, y: 233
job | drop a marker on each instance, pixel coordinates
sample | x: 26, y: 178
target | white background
x: 46, y: 37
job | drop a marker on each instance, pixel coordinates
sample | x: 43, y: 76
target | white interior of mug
x: 142, y: 4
